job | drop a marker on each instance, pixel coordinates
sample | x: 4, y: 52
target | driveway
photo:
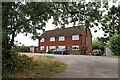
x: 88, y: 66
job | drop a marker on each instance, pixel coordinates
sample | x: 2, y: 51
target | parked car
x: 60, y: 51
x: 97, y: 52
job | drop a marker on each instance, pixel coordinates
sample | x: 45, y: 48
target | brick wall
x: 68, y: 42
x: 87, y: 40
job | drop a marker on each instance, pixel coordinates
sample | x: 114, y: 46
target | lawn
x: 41, y: 67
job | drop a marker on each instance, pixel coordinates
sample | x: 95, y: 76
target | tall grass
x: 39, y: 67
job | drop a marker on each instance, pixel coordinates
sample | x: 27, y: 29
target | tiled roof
x: 67, y: 32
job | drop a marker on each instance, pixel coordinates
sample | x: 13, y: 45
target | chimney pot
x: 43, y: 30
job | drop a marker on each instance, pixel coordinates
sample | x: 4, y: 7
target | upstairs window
x: 42, y: 40
x: 62, y: 38
x: 52, y: 38
x: 75, y: 37
x: 75, y: 47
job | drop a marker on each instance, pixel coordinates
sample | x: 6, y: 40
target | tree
x: 16, y: 20
x: 115, y: 45
x: 96, y: 44
x: 111, y: 23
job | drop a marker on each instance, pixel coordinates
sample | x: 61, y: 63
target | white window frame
x: 52, y: 47
x: 59, y: 47
x: 62, y: 38
x: 75, y: 46
x: 32, y: 49
x: 42, y: 47
x: 75, y: 37
x: 42, y: 40
x: 52, y: 38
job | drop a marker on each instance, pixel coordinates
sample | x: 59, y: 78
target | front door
x: 46, y: 49
x: 68, y: 48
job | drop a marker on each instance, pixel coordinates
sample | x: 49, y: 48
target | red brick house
x: 70, y: 38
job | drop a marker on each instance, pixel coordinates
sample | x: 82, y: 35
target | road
x: 80, y: 66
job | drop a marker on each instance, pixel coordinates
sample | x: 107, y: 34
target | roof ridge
x: 65, y: 28
x: 67, y: 32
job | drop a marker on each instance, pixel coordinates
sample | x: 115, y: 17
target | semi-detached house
x: 70, y: 38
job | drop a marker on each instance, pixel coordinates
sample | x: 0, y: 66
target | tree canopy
x: 97, y: 44
x: 30, y: 17
x: 111, y: 23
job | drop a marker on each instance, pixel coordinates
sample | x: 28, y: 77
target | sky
x: 27, y: 41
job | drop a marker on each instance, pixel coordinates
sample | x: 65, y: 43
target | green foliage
x: 49, y: 56
x: 96, y: 44
x: 84, y: 48
x: 115, y: 45
x: 111, y: 23
x: 50, y: 50
x: 21, y: 18
x: 75, y: 53
x: 14, y: 63
x: 103, y: 40
x: 21, y: 49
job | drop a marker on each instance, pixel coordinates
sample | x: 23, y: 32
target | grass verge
x: 107, y: 56
x: 41, y: 67
x: 112, y: 56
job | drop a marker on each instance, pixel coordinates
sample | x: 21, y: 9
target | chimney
x: 43, y: 30
x: 62, y: 27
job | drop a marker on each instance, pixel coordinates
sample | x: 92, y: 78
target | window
x: 42, y: 40
x: 75, y: 37
x: 52, y: 47
x: 75, y: 47
x: 61, y: 47
x: 62, y: 38
x: 42, y: 48
x: 52, y: 38
x: 31, y: 49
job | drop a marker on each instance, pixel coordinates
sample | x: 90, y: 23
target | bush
x: 14, y: 62
x: 21, y: 49
x: 75, y: 53
x: 115, y: 45
x: 50, y: 50
x: 84, y: 48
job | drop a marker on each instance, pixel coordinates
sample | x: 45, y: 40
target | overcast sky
x: 27, y: 41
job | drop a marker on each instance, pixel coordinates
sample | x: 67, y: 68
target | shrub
x: 75, y: 53
x: 21, y: 49
x: 84, y: 48
x: 50, y: 50
x: 115, y: 45
x: 14, y: 62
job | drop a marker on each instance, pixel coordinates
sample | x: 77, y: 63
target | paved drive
x: 88, y: 66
